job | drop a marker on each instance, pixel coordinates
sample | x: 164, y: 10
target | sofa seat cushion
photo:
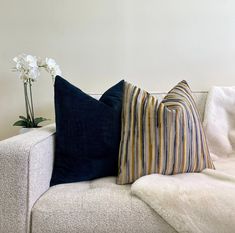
x: 94, y: 206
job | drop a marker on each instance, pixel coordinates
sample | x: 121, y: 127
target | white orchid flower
x: 50, y: 63
x: 52, y: 67
x: 27, y: 66
x: 31, y: 61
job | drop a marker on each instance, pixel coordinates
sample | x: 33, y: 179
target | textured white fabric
x: 99, y: 206
x: 25, y: 171
x: 192, y: 202
x: 219, y: 121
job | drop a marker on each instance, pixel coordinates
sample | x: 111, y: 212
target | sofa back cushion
x: 87, y: 133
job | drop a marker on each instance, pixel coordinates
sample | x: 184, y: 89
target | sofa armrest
x: 26, y: 163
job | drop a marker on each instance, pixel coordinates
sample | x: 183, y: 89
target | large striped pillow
x: 182, y: 141
x: 166, y: 140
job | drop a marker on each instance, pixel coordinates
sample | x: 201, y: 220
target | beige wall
x: 153, y: 43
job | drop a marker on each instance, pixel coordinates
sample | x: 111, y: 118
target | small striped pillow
x: 168, y: 139
x: 138, y: 145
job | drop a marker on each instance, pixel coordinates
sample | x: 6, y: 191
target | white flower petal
x: 28, y: 66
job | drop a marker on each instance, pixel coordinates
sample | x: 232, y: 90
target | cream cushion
x: 95, y: 206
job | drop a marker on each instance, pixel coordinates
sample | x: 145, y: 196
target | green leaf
x: 21, y: 123
x: 38, y: 120
x: 29, y: 123
x: 23, y: 118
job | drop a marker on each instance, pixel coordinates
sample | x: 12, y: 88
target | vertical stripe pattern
x: 138, y: 145
x: 168, y: 139
x: 182, y: 142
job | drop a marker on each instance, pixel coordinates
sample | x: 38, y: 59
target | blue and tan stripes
x: 137, y: 153
x: 168, y: 139
x: 182, y: 143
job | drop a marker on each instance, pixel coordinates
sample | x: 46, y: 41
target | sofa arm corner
x: 26, y: 163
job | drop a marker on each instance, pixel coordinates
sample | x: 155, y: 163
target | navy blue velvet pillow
x: 87, y: 133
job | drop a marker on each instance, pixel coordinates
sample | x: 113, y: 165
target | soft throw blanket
x: 196, y: 203
x: 201, y: 202
x: 219, y: 122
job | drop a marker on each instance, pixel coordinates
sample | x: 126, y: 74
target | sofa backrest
x: 199, y: 97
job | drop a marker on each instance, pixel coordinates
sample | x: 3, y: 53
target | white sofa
x: 28, y: 205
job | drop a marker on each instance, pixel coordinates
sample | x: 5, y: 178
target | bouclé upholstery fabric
x: 97, y: 206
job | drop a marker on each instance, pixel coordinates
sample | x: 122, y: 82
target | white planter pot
x: 26, y: 130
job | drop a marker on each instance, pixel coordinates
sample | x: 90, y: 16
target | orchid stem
x: 29, y: 108
x: 31, y: 100
x: 26, y: 102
